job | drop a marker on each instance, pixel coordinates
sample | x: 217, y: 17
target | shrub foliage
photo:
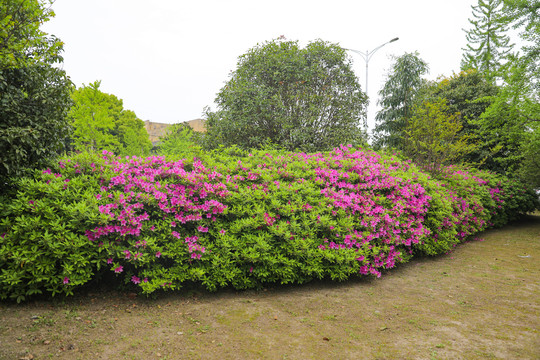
x: 238, y: 219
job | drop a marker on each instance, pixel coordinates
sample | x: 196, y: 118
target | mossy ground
x: 480, y: 302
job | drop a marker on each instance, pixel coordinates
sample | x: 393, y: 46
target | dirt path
x: 480, y: 302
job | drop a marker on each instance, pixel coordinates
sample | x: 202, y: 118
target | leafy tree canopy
x: 465, y: 92
x: 468, y: 93
x: 434, y: 137
x: 510, y: 124
x: 398, y: 97
x: 529, y: 169
x: 297, y: 98
x: 180, y: 141
x: 488, y: 45
x: 101, y: 123
x: 21, y: 41
x: 33, y: 110
x: 523, y: 75
x: 507, y: 125
x: 34, y: 95
x: 525, y: 16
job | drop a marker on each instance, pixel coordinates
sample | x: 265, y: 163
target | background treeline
x: 42, y: 114
x: 488, y: 114
x: 287, y: 97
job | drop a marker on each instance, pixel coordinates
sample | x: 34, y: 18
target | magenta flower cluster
x: 182, y: 196
x: 229, y: 219
x: 158, y: 212
x: 389, y: 209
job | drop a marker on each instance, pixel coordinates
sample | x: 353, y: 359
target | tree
x: 525, y: 16
x: 100, y: 122
x: 132, y: 135
x: 522, y: 79
x: 22, y: 43
x: 180, y: 141
x: 434, y: 137
x: 487, y: 44
x: 522, y: 86
x: 398, y: 99
x: 509, y: 124
x: 503, y: 136
x: 93, y: 114
x: 297, y: 98
x: 529, y: 169
x: 34, y: 94
x: 506, y: 126
x: 469, y: 94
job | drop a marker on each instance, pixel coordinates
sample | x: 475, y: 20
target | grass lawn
x: 480, y: 302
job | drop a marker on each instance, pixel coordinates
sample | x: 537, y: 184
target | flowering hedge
x: 238, y: 219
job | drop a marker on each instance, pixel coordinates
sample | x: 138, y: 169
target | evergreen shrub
x: 240, y: 219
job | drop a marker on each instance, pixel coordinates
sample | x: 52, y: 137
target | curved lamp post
x: 367, y: 56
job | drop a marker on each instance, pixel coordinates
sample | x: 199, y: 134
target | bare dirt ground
x: 480, y: 302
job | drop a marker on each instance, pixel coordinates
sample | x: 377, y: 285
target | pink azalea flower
x: 158, y: 254
x: 119, y: 269
x: 66, y: 281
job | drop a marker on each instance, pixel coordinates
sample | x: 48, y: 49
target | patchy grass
x: 480, y: 302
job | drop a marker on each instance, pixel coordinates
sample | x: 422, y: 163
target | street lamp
x: 367, y: 56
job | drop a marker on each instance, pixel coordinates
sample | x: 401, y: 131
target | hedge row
x: 238, y: 219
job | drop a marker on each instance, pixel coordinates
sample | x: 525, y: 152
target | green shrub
x: 43, y: 245
x: 240, y: 219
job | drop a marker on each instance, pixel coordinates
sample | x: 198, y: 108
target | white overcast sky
x: 167, y: 59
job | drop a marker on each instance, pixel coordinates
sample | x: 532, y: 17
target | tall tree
x: 509, y: 126
x: 466, y: 92
x: 523, y: 75
x: 398, y: 99
x: 503, y: 136
x: 180, y: 141
x: 433, y: 136
x: 94, y: 116
x: 100, y: 122
x: 297, y: 98
x: 22, y: 42
x: 525, y: 16
x: 488, y: 45
x: 469, y: 94
x: 34, y: 94
x: 522, y: 89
